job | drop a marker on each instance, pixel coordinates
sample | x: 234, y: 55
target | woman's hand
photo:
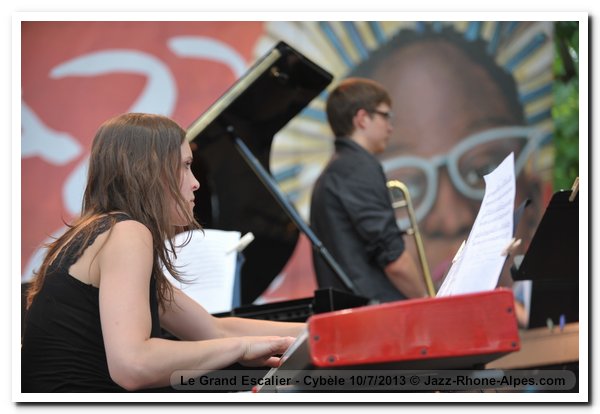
x: 264, y: 350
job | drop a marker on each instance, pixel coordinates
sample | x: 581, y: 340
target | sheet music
x: 480, y: 263
x: 208, y: 267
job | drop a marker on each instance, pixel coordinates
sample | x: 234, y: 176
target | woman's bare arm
x: 134, y: 359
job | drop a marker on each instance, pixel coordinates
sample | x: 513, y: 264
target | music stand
x: 552, y: 263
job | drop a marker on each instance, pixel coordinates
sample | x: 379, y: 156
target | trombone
x: 413, y: 230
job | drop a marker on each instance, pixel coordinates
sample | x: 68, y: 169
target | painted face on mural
x: 442, y: 99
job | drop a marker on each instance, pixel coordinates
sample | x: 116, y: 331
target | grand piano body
x: 231, y: 195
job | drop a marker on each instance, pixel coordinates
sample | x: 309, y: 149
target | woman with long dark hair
x: 100, y: 299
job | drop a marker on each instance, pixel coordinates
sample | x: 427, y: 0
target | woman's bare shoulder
x: 129, y: 233
x: 128, y: 250
x: 131, y: 225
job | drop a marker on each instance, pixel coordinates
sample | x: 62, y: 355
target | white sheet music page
x: 480, y: 263
x: 208, y: 267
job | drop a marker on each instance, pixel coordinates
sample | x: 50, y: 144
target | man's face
x: 378, y: 129
x: 440, y: 98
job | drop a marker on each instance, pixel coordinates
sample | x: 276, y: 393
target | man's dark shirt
x: 351, y: 213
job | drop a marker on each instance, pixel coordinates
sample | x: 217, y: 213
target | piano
x: 462, y: 332
x: 231, y: 195
x: 231, y: 143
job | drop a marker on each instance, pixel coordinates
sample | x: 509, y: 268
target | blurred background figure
x: 351, y: 210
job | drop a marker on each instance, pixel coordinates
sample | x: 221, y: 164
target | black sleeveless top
x: 62, y: 345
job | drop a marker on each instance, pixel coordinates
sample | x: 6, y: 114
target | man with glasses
x: 351, y: 210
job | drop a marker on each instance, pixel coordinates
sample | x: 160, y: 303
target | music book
x: 480, y: 261
x: 208, y: 266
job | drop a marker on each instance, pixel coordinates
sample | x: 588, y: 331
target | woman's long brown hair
x: 134, y: 168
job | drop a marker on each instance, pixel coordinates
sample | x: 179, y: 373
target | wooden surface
x: 542, y: 346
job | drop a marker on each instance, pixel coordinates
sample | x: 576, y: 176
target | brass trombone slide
x: 413, y: 229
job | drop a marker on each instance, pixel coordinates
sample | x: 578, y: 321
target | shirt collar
x: 344, y: 144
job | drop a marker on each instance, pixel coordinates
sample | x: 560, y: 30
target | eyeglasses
x: 466, y: 163
x: 388, y: 116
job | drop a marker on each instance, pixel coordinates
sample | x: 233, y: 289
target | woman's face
x: 439, y: 98
x: 187, y: 185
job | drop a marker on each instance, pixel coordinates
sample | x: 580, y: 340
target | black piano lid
x: 231, y: 197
